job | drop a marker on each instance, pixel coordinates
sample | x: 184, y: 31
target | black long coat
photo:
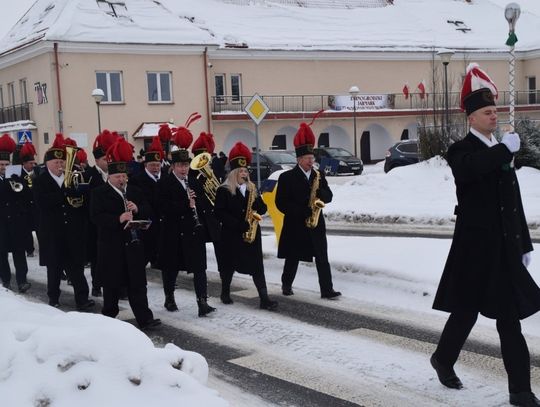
x: 484, y: 267
x: 297, y: 241
x: 95, y: 180
x: 13, y: 225
x: 207, y: 216
x: 181, y: 246
x: 62, y: 228
x: 151, y: 236
x: 119, y: 260
x: 245, y: 258
x: 30, y: 209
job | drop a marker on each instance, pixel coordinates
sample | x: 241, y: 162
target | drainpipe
x: 57, y: 69
x: 205, y: 61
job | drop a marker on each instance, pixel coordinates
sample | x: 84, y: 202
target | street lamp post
x: 446, y: 55
x: 354, y: 91
x: 98, y: 96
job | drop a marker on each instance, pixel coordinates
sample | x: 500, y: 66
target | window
x: 159, y: 86
x: 11, y: 94
x: 24, y: 94
x: 531, y: 83
x: 111, y: 84
x: 1, y: 97
x: 220, y: 87
x: 236, y: 87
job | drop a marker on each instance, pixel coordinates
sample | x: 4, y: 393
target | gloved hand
x: 526, y: 259
x: 511, y: 141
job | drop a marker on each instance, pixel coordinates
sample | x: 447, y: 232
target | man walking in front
x: 486, y: 271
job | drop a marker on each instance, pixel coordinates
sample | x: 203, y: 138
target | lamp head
x: 512, y: 12
x: 354, y: 91
x: 98, y: 95
x: 445, y: 55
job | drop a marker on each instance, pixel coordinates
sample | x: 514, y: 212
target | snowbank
x: 423, y: 193
x: 72, y: 359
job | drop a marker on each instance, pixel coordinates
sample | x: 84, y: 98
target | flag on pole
x: 422, y: 88
x: 406, y: 91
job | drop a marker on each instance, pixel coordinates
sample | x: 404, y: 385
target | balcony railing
x: 15, y: 113
x: 395, y: 101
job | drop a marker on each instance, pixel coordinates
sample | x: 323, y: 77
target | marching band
x: 119, y: 219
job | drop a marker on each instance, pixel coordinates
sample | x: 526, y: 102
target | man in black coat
x: 12, y: 221
x: 28, y: 176
x: 147, y: 181
x: 486, y: 268
x: 182, y: 244
x: 120, y: 254
x: 298, y: 242
x: 62, y: 229
x: 96, y: 176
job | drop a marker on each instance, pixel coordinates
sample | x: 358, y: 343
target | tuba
x: 252, y: 217
x: 315, y: 204
x: 73, y: 178
x: 201, y: 163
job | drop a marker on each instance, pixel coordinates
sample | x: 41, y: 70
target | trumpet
x: 16, y: 186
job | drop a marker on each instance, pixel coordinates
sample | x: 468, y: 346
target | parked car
x: 402, y: 153
x: 271, y: 160
x: 338, y: 161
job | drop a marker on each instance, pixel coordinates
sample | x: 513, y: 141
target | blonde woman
x: 232, y: 200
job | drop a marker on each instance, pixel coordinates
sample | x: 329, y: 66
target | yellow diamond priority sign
x: 257, y: 109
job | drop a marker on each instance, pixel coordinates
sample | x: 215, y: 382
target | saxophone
x: 315, y: 204
x: 252, y: 217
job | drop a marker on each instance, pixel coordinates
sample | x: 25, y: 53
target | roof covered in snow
x: 368, y: 25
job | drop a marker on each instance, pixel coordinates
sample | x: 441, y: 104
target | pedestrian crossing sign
x: 24, y: 136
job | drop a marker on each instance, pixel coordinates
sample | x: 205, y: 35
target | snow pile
x: 423, y: 193
x: 52, y: 358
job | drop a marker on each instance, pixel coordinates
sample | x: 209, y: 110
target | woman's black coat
x: 245, y: 258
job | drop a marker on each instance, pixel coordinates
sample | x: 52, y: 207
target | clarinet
x: 134, y: 236
x: 195, y: 214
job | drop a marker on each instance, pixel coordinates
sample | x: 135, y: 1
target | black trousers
x: 29, y: 239
x: 258, y: 279
x: 514, y: 349
x: 75, y: 274
x: 138, y: 301
x: 323, y: 270
x: 200, y: 282
x: 21, y: 267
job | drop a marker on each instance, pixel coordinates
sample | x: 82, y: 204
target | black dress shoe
x: 85, y: 306
x: 151, y: 324
x: 170, y: 303
x: 268, y: 304
x: 54, y: 303
x: 96, y: 292
x: 226, y: 299
x: 204, y: 308
x: 30, y: 254
x: 6, y: 285
x: 524, y: 399
x: 24, y: 287
x: 287, y: 290
x: 446, y: 375
x: 330, y: 294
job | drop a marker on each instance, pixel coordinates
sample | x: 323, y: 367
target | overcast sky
x: 12, y: 10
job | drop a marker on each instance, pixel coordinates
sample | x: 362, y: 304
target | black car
x: 402, y: 153
x: 337, y: 160
x: 271, y: 160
